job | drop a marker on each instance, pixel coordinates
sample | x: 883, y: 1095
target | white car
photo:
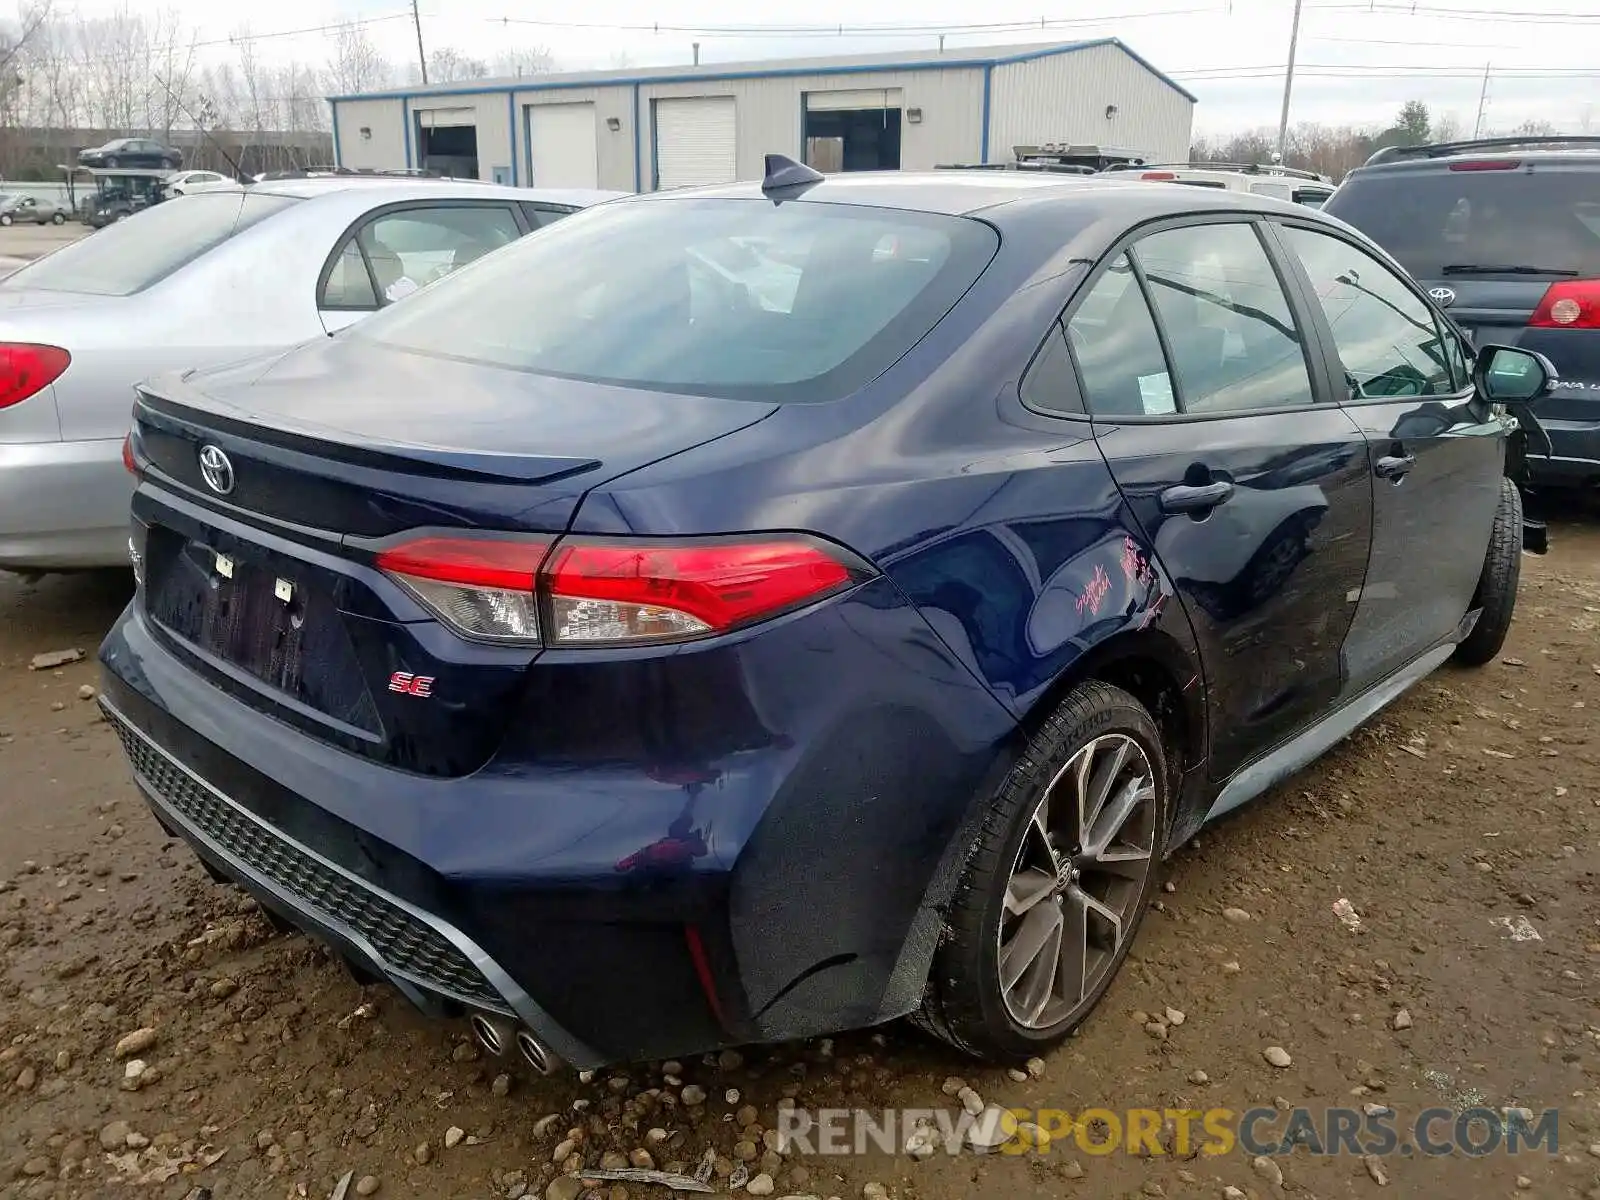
x: 228, y: 274
x: 186, y: 183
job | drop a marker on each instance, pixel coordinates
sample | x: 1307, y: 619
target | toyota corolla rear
x: 401, y: 664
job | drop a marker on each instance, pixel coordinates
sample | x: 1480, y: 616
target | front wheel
x: 1497, y: 585
x: 5, y: 218
x: 1056, y: 883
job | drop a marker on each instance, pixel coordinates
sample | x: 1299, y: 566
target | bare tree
x: 1535, y: 127
x: 356, y: 64
x: 448, y: 65
x: 1447, y: 127
x: 523, y: 60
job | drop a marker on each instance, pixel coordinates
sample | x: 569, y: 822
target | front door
x: 1435, y: 452
x: 1250, y: 485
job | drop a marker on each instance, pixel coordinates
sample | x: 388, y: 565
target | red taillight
x: 641, y: 591
x: 1570, y: 304
x: 26, y: 368
x: 481, y: 587
x: 611, y: 592
x: 128, y: 461
x: 1487, y: 164
x: 1159, y: 176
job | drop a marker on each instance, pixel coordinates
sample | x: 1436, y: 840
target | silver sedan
x: 198, y: 281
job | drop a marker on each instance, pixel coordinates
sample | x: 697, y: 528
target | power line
x: 845, y: 30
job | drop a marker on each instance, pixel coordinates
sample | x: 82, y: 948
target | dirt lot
x: 1474, y: 799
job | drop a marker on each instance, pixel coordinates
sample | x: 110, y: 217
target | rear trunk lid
x: 262, y: 572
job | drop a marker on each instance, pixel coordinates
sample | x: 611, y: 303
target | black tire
x: 58, y: 219
x: 963, y: 1003
x: 5, y: 219
x: 1497, y: 585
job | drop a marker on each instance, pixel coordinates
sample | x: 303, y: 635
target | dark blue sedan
x: 743, y: 614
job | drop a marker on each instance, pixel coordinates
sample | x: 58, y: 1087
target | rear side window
x: 411, y: 248
x: 1118, y: 350
x: 1387, y: 338
x: 129, y: 256
x: 736, y: 298
x: 1434, y: 220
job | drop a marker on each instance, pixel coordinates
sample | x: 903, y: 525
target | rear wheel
x: 1057, y: 881
x: 58, y: 219
x: 1497, y: 585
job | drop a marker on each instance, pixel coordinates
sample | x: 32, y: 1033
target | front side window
x: 1387, y: 338
x: 736, y: 298
x: 1228, y: 325
x: 411, y: 248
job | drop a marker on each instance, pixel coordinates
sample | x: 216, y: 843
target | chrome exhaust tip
x: 493, y: 1034
x: 534, y: 1053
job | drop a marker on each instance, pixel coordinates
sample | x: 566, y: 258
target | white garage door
x: 695, y: 141
x: 562, y: 146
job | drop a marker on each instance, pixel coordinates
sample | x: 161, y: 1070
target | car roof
x: 399, y: 188
x: 958, y: 192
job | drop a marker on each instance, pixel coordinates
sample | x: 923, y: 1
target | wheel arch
x: 1164, y: 675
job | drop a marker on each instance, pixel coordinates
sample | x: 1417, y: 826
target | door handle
x: 1394, y: 466
x: 1187, y: 499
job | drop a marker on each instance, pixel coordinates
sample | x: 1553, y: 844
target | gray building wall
x: 1063, y: 98
x: 769, y: 111
x: 614, y: 149
x: 1057, y: 97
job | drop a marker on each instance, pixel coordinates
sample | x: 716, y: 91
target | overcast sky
x: 1359, y: 60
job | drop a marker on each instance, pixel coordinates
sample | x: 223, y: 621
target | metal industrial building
x: 641, y: 130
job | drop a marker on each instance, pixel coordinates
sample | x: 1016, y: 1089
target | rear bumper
x: 633, y: 899
x: 1574, y: 455
x: 63, y: 505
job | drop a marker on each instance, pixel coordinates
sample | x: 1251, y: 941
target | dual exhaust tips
x: 497, y: 1035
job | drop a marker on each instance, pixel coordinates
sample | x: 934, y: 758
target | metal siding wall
x: 769, y: 110
x: 614, y: 150
x: 1063, y: 98
x: 492, y: 121
x: 387, y: 148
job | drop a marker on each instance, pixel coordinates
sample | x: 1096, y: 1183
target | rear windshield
x: 1549, y: 219
x: 738, y: 298
x: 131, y: 255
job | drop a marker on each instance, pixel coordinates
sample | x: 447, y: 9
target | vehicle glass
x: 1435, y: 219
x: 1047, y: 387
x: 349, y: 285
x: 1232, y: 337
x: 129, y: 256
x: 1311, y: 197
x: 540, y: 215
x: 1387, y: 338
x: 1210, y: 183
x: 1114, y: 341
x: 736, y: 298
x: 412, y: 248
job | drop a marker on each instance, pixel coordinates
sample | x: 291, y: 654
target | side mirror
x: 1507, y: 375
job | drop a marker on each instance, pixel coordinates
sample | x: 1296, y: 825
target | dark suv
x: 1504, y: 233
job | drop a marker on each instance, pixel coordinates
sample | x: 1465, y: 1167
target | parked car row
x: 811, y: 602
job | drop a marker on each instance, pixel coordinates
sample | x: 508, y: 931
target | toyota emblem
x: 216, y: 469
x: 1442, y: 296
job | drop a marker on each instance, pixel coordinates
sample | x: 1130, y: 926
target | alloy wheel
x: 1072, y: 896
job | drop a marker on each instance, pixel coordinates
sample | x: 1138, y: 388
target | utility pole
x: 422, y: 57
x: 1483, y: 100
x: 1288, y: 83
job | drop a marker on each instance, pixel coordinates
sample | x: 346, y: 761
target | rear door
x: 1435, y: 452
x: 1252, y: 486
x: 1498, y: 243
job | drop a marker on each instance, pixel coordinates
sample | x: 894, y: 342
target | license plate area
x: 265, y: 623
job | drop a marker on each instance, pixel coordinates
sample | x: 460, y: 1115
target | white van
x: 1285, y: 183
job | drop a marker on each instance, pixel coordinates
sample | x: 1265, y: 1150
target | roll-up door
x: 696, y: 141
x: 562, y: 146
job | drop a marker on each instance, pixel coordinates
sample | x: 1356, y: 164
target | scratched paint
x: 1094, y: 592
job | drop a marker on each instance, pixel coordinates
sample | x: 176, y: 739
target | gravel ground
x: 264, y: 1070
